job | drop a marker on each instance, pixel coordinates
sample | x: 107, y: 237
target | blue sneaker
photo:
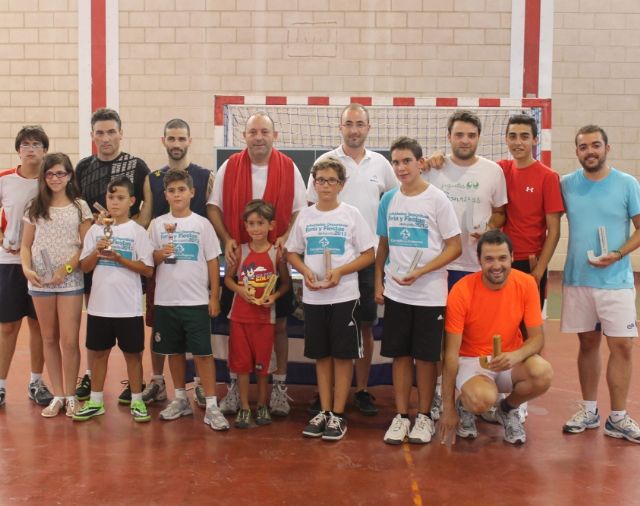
x: 626, y: 428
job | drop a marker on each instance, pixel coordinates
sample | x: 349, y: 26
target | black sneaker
x: 83, y: 391
x: 316, y: 426
x: 125, y: 396
x: 336, y: 428
x: 364, y: 402
x: 314, y: 407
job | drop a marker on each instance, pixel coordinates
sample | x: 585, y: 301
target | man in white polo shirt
x: 369, y: 175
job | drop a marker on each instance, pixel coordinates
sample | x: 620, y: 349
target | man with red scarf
x: 259, y: 171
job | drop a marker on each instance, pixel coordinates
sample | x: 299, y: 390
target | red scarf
x: 237, y: 192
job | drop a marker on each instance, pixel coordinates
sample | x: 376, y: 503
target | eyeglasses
x: 59, y: 175
x: 34, y: 146
x: 332, y: 181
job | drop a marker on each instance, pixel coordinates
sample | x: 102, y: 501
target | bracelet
x: 619, y: 253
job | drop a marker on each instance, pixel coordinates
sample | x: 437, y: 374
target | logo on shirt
x: 409, y: 237
x: 373, y: 179
x: 473, y: 185
x: 317, y: 245
x: 156, y: 337
x: 529, y: 189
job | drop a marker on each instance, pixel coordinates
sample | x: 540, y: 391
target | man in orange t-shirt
x: 492, y: 302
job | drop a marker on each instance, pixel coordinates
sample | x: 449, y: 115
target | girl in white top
x: 55, y: 225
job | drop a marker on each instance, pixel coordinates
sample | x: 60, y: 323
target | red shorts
x: 250, y: 347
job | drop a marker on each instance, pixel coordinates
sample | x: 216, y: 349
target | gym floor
x: 112, y: 460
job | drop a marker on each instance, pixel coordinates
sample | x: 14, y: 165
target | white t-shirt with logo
x: 258, y: 185
x: 416, y: 223
x: 473, y: 190
x: 366, y: 182
x: 116, y: 292
x: 345, y: 234
x: 185, y: 283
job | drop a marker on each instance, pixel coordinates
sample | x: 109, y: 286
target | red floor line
x: 415, y: 490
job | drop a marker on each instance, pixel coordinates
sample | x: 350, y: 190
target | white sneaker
x: 422, y: 430
x: 231, y: 402
x: 626, y: 428
x: 279, y: 401
x: 436, y: 407
x: 398, y: 431
x: 490, y: 414
x: 215, y: 419
x: 581, y: 421
x: 467, y: 425
x: 176, y: 409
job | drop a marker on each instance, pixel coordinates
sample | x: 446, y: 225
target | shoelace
x: 334, y: 422
x: 423, y: 424
x: 318, y: 419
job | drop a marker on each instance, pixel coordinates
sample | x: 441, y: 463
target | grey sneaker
x: 263, y: 417
x: 316, y: 426
x: 215, y: 419
x: 523, y: 412
x: 581, y: 421
x: 199, y: 396
x: 513, y: 429
x: 243, y: 419
x: 398, y: 431
x: 39, y: 393
x: 490, y: 415
x: 423, y: 430
x: 231, y: 402
x: 154, y: 392
x: 3, y: 395
x: 626, y: 428
x: 176, y: 409
x: 436, y: 407
x: 467, y: 424
x: 279, y: 402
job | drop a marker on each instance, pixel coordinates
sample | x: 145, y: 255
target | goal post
x: 311, y: 122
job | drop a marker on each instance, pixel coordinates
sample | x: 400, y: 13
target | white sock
x: 617, y: 416
x: 88, y: 372
x: 233, y: 377
x: 590, y: 406
x: 136, y: 397
x: 212, y: 402
x: 97, y: 397
x: 158, y: 379
x: 280, y: 378
x: 35, y: 377
x: 439, y: 385
x: 196, y: 380
x: 60, y: 398
x: 3, y: 383
x: 181, y: 393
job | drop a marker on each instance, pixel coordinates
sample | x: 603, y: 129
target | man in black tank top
x: 176, y: 140
x: 93, y: 174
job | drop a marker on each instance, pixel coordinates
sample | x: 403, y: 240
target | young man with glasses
x: 18, y: 186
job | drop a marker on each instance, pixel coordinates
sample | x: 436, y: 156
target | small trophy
x: 170, y: 228
x: 474, y: 226
x: 48, y: 266
x: 322, y: 281
x: 13, y: 232
x: 398, y: 274
x: 268, y: 290
x: 107, y: 221
x: 497, y: 349
x: 604, y: 247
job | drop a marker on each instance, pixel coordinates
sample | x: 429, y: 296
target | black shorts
x: 333, y: 330
x: 88, y: 281
x: 368, y: 306
x: 15, y: 301
x: 102, y: 333
x: 524, y: 266
x: 412, y: 331
x: 178, y: 329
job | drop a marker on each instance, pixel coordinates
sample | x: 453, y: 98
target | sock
x: 35, y: 377
x: 233, y: 377
x: 404, y: 415
x: 97, y: 397
x: 439, y: 385
x: 505, y: 406
x: 88, y: 372
x: 158, y: 379
x: 136, y: 397
x: 212, y: 402
x: 59, y: 398
x: 590, y: 406
x: 617, y: 416
x: 196, y: 380
x: 279, y: 378
x: 71, y: 398
x: 3, y: 383
x: 181, y: 393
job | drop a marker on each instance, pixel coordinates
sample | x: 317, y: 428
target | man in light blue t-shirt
x: 598, y: 296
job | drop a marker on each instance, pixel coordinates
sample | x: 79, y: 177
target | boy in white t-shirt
x: 336, y: 242
x: 419, y: 235
x: 114, y: 311
x: 186, y: 251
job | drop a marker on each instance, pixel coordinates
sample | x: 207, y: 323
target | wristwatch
x: 68, y: 268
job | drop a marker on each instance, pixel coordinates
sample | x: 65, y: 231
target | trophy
x: 398, y: 274
x: 604, y: 247
x: 107, y: 221
x: 474, y: 226
x: 322, y: 281
x: 497, y: 349
x: 268, y: 290
x: 13, y: 232
x: 170, y: 229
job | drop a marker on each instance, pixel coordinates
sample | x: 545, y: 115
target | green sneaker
x: 139, y: 411
x: 88, y: 410
x: 263, y: 417
x: 83, y: 390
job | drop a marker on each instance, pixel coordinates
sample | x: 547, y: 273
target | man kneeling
x: 492, y: 302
